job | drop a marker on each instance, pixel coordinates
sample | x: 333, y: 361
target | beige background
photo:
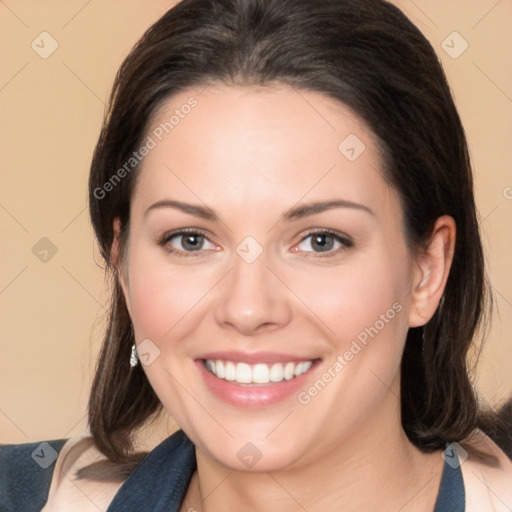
x: 52, y: 312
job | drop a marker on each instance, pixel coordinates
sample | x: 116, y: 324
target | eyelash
x: 342, y: 239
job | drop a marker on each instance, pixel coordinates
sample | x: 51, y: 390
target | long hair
x: 367, y: 55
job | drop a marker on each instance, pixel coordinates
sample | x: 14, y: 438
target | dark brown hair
x: 367, y: 55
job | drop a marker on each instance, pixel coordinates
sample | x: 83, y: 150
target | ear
x: 431, y: 273
x: 118, y: 262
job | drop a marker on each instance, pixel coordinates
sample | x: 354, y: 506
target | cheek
x: 161, y: 297
x: 363, y: 295
x: 363, y: 313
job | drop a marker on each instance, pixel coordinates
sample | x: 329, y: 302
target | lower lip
x: 256, y: 395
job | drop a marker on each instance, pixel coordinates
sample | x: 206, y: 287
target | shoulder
x: 487, y: 474
x: 67, y: 490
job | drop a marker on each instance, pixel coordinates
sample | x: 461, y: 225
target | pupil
x: 322, y: 243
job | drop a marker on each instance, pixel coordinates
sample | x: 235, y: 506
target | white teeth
x: 210, y: 366
x: 258, y: 373
x: 243, y: 373
x: 220, y: 371
x: 230, y: 371
x: 303, y: 367
x: 289, y: 370
x: 276, y: 372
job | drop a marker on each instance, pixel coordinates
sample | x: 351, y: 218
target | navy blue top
x: 159, y: 483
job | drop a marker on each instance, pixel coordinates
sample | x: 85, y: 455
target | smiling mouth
x: 261, y: 373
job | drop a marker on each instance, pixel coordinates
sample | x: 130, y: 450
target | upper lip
x: 255, y: 357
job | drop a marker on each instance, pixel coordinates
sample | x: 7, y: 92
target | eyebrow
x: 321, y: 206
x: 295, y: 213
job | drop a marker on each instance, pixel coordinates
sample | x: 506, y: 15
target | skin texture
x: 250, y: 154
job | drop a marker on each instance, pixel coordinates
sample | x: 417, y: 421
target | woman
x: 283, y: 195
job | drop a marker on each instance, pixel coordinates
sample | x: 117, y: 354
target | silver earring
x: 134, y: 360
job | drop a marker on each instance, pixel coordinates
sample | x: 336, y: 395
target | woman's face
x: 295, y: 252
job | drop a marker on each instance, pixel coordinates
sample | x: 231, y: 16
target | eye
x: 323, y: 242
x: 186, y: 241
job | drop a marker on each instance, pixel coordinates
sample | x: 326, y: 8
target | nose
x: 252, y: 299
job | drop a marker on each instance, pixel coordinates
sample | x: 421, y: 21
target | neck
x: 376, y: 468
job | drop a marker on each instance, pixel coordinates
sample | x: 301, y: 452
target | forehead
x: 245, y: 145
